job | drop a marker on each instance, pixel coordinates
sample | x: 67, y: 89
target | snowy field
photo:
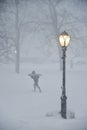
x: 23, y: 109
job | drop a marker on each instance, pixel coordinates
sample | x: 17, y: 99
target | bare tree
x: 72, y: 25
x: 17, y: 51
x: 6, y: 39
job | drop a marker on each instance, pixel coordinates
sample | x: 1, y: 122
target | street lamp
x: 64, y: 40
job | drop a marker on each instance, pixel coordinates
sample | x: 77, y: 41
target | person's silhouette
x: 35, y: 78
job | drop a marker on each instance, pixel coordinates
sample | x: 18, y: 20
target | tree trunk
x: 17, y: 54
x: 56, y: 29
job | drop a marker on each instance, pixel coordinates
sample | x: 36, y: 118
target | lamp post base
x: 63, y: 107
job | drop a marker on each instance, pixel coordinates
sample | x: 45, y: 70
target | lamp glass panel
x: 64, y: 40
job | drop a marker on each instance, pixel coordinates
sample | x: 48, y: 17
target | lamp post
x: 64, y: 40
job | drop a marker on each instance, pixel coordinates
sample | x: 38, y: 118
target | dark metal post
x: 63, y: 97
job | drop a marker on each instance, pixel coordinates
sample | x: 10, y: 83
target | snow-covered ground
x: 23, y: 109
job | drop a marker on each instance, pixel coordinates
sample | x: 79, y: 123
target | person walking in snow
x: 35, y: 78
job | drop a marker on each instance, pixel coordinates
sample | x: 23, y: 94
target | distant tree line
x: 15, y: 20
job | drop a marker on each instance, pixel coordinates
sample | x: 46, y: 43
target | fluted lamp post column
x: 64, y: 40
